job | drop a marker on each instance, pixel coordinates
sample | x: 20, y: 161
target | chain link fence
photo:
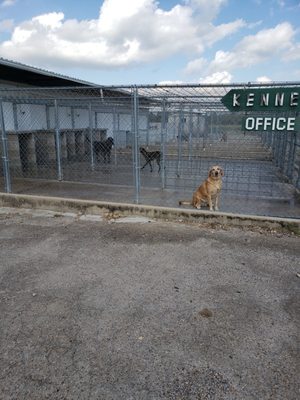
x: 146, y: 144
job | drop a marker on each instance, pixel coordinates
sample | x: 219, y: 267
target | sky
x: 126, y: 42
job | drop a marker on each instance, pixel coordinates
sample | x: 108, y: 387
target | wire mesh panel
x: 260, y: 167
x: 148, y: 144
x: 70, y: 135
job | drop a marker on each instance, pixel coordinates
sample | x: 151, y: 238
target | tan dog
x: 209, y: 191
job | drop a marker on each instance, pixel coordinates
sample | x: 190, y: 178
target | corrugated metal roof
x: 42, y: 72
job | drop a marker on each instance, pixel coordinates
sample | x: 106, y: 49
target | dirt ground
x: 95, y: 309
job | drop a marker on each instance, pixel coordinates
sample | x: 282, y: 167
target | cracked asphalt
x: 92, y: 309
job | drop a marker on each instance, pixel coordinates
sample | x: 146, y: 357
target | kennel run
x: 49, y: 137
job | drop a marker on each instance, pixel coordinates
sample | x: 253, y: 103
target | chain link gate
x: 94, y: 135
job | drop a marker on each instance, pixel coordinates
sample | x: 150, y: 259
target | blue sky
x: 114, y: 42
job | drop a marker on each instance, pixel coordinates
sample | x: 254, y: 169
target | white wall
x: 125, y: 122
x: 65, y: 117
x: 81, y: 118
x: 105, y: 121
x: 8, y: 116
x: 31, y: 117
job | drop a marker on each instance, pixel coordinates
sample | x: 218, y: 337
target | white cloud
x: 8, y: 3
x: 195, y: 66
x: 293, y: 53
x: 52, y: 20
x: 21, y: 35
x: 217, y: 77
x: 131, y: 32
x: 254, y: 49
x: 209, y: 9
x: 254, y: 24
x: 221, y: 31
x: 141, y: 31
x: 263, y: 79
x: 163, y: 83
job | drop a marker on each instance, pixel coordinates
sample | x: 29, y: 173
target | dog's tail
x: 185, y: 202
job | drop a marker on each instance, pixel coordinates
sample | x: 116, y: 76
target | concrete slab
x: 133, y: 220
x: 285, y: 207
x: 95, y: 218
x: 114, y: 211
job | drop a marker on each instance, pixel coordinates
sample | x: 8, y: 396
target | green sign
x: 268, y: 124
x: 266, y: 99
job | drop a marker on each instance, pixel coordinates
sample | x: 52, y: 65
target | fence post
x: 5, y: 158
x: 179, y: 140
x: 91, y: 137
x: 136, y: 155
x: 115, y: 134
x: 57, y: 143
x: 162, y: 145
x: 211, y: 126
x: 190, y: 132
x: 206, y: 129
x: 148, y: 128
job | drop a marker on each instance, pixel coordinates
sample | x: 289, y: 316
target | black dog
x: 151, y: 156
x: 103, y: 149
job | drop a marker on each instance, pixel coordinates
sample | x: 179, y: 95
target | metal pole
x: 190, y: 132
x: 179, y: 149
x: 205, y: 133
x: 198, y: 133
x: 5, y: 158
x: 211, y: 127
x: 148, y: 128
x: 162, y: 145
x: 115, y: 136
x: 57, y: 143
x: 91, y: 137
x: 136, y: 155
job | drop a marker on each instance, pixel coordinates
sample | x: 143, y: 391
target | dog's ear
x: 222, y: 171
x: 210, y: 172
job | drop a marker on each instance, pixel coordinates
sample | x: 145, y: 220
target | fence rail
x: 95, y: 135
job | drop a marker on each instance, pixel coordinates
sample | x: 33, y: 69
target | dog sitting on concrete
x: 209, y: 191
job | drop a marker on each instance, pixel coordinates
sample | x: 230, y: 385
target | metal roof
x: 23, y: 74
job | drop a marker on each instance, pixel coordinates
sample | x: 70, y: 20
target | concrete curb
x: 116, y: 210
